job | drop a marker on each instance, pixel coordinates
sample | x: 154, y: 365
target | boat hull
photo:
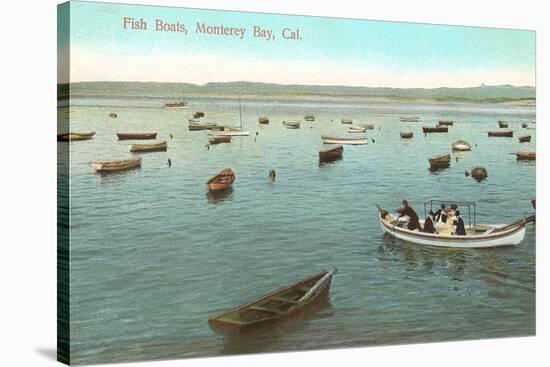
x: 146, y: 148
x: 510, y: 237
x: 348, y: 141
x: 331, y: 154
x: 137, y: 136
x: 499, y: 133
x: 115, y: 166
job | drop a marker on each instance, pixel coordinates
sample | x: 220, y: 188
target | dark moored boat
x: 524, y: 138
x: 409, y: 119
x: 87, y: 135
x: 406, y: 134
x: 502, y: 124
x: 445, y: 122
x: 113, y: 115
x: 151, y: 147
x: 175, y: 104
x: 501, y: 133
x: 198, y: 114
x: 263, y: 120
x: 434, y: 129
x: 332, y: 153
x: 526, y: 156
x: 147, y: 135
x: 439, y: 161
x: 217, y: 139
x: 479, y: 173
x: 524, y: 125
x: 276, y: 306
x: 115, y: 165
x: 222, y: 180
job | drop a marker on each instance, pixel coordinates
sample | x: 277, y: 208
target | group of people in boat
x: 445, y: 221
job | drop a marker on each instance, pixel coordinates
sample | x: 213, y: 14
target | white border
x: 28, y: 225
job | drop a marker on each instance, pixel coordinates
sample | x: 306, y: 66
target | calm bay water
x: 153, y: 255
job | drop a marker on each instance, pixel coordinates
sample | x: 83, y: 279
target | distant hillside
x: 493, y: 94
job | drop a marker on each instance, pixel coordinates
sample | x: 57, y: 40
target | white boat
x: 477, y: 235
x: 234, y: 133
x: 461, y: 146
x: 357, y: 129
x: 344, y: 140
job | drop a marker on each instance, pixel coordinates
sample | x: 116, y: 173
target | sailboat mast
x: 240, y: 114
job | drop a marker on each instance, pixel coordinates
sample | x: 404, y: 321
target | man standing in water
x: 406, y: 210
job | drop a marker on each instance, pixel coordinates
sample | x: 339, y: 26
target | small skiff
x: 406, y: 134
x: 344, y: 140
x: 502, y: 124
x: 116, y: 165
x: 445, y: 122
x: 309, y: 117
x: 73, y: 136
x: 346, y: 121
x: 461, y: 146
x: 367, y: 126
x: 217, y: 139
x: 524, y: 125
x: 434, y: 129
x: 222, y: 180
x: 357, y: 129
x: 194, y: 125
x: 234, y: 133
x: 175, y: 105
x: 113, y: 115
x: 526, y: 156
x: 477, y: 236
x: 501, y: 133
x: 198, y: 115
x: 332, y: 153
x: 292, y: 124
x: 147, y: 135
x: 264, y: 120
x: 439, y: 161
x: 276, y: 306
x: 524, y: 138
x: 151, y: 147
x: 409, y: 119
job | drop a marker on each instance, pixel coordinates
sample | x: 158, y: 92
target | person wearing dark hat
x: 440, y: 215
x: 429, y: 223
x: 406, y: 210
x: 460, y: 229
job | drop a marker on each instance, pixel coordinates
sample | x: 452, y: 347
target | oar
x: 319, y: 284
x: 519, y: 222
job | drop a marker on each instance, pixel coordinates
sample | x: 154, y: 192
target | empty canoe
x: 217, y: 139
x: 439, y: 161
x: 115, y: 165
x: 151, y: 147
x: 222, y: 180
x: 524, y: 138
x: 332, y: 153
x: 146, y: 135
x: 434, y: 129
x: 74, y: 136
x: 344, y: 140
x: 406, y: 134
x: 276, y: 306
x: 501, y: 133
x: 526, y: 156
x: 461, y: 146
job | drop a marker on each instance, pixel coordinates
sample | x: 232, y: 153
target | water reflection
x: 219, y: 196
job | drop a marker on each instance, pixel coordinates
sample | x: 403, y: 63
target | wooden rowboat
x: 222, y: 180
x: 276, y: 306
x: 461, y: 146
x: 175, y: 104
x: 502, y: 124
x: 346, y: 121
x: 344, y: 140
x: 357, y: 129
x: 195, y: 125
x: 409, y: 119
x: 439, y: 161
x: 332, y: 153
x: 479, y: 173
x: 115, y: 165
x: 309, y: 117
x: 445, y: 122
x: 501, y: 133
x: 217, y: 139
x: 406, y: 134
x: 73, y: 136
x: 292, y: 124
x: 367, y: 126
x: 263, y: 120
x: 524, y: 138
x: 477, y: 236
x: 147, y: 135
x: 434, y: 129
x: 151, y: 147
x: 526, y: 156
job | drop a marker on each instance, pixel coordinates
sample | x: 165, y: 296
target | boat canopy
x: 472, y: 209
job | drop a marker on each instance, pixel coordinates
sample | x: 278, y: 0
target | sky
x: 331, y: 51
